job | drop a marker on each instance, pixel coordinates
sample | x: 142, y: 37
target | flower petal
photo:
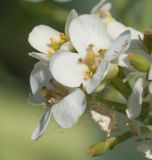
x: 122, y: 61
x: 72, y: 15
x: 39, y: 38
x: 150, y: 87
x: 150, y: 73
x: 86, y: 30
x: 115, y: 28
x: 98, y: 77
x: 135, y: 100
x: 40, y: 56
x: 67, y: 70
x: 102, y: 120
x: 68, y: 111
x: 42, y: 125
x: 39, y: 78
x: 101, y: 7
x: 119, y: 46
x: 67, y: 47
x: 145, y: 148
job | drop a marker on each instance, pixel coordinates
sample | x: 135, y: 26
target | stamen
x: 90, y: 58
x: 102, y: 52
x: 88, y: 75
x: 52, y: 100
x: 63, y: 38
x: 55, y: 45
x: 93, y: 59
x: 51, y: 52
x: 47, y: 93
x: 44, y: 92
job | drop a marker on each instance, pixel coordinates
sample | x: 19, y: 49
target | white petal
x: 39, y: 78
x: 68, y: 111
x: 115, y: 28
x: 101, y: 7
x: 146, y: 148
x: 67, y: 47
x: 102, y: 120
x: 67, y: 70
x: 96, y: 8
x: 86, y: 30
x: 135, y: 100
x: 40, y: 56
x: 122, y: 61
x: 150, y: 73
x: 42, y: 125
x: 119, y: 45
x: 39, y: 38
x: 98, y: 77
x: 72, y: 15
x: 150, y: 87
x: 135, y: 34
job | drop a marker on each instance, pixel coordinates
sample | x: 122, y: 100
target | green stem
x: 123, y: 137
x: 122, y: 107
x: 121, y: 87
x: 117, y: 83
x: 112, y: 104
x: 103, y: 146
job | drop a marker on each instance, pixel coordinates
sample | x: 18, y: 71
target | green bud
x: 101, y: 147
x: 113, y: 71
x: 147, y: 41
x: 139, y: 62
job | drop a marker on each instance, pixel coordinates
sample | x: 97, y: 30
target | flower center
x: 92, y: 60
x: 55, y: 44
x: 55, y: 94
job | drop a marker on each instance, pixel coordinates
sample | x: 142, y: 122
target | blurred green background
x: 17, y: 117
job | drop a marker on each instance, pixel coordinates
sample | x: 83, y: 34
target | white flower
x: 102, y: 9
x: 96, y: 51
x: 147, y: 149
x: 115, y: 28
x: 47, y: 40
x: 136, y: 99
x: 65, y: 105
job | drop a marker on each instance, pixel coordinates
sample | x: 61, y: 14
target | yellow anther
x: 102, y: 52
x: 90, y: 58
x: 63, y: 38
x: 80, y: 61
x: 54, y: 43
x: 88, y: 75
x: 51, y: 52
x: 52, y: 100
x: 44, y: 92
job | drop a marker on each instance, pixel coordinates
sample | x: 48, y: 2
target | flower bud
x: 101, y: 147
x: 139, y: 62
x: 113, y: 71
x: 148, y: 40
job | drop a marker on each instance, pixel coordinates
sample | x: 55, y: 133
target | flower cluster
x: 74, y: 67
